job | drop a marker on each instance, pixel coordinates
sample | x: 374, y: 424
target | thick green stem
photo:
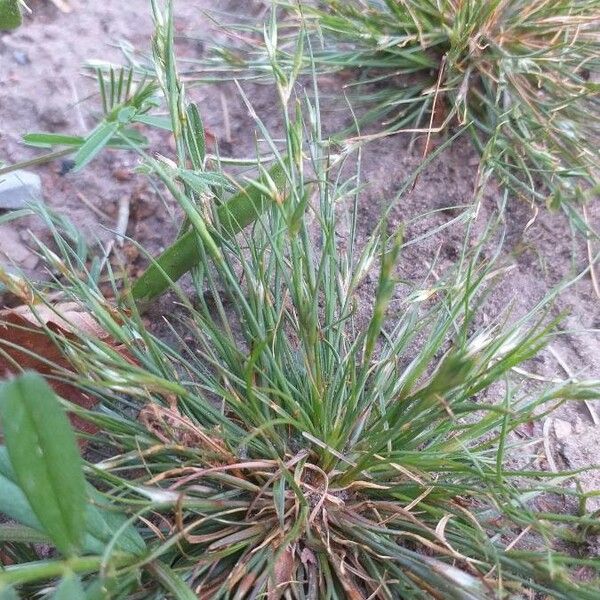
x: 233, y: 216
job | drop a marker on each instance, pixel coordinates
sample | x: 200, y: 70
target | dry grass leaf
x: 283, y: 572
x: 171, y: 427
x: 27, y: 343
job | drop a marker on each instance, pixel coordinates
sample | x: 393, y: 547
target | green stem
x: 233, y: 216
x: 39, y: 160
x: 49, y: 569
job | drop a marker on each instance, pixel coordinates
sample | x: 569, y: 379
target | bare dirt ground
x: 42, y: 89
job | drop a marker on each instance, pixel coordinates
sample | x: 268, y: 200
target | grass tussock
x: 520, y: 74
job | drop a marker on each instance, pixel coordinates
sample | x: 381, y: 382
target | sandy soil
x: 41, y: 89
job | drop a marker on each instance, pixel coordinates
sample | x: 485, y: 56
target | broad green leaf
x: 10, y: 14
x: 102, y: 522
x: 125, y: 114
x: 109, y: 587
x: 97, y: 590
x: 70, y: 588
x: 44, y: 455
x: 13, y: 502
x: 14, y: 532
x: 98, y: 139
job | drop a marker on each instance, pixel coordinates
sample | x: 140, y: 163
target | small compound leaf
x: 69, y: 588
x: 95, y: 143
x: 44, y: 455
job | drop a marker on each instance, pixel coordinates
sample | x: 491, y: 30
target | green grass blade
x: 172, y: 582
x: 195, y: 137
x: 20, y: 533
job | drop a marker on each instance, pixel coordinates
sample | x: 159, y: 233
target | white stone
x: 562, y: 429
x: 18, y: 189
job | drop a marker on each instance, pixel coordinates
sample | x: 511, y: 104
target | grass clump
x: 519, y: 73
x: 285, y: 444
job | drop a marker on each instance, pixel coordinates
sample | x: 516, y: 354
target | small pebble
x: 21, y: 58
x: 562, y: 429
x: 122, y: 174
x: 18, y: 189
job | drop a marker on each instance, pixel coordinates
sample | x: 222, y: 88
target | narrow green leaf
x: 194, y: 137
x: 47, y: 140
x: 127, y: 138
x: 235, y: 214
x: 155, y: 121
x: 97, y: 140
x: 172, y: 582
x: 44, y: 455
x: 201, y: 182
x: 10, y: 14
x: 70, y: 588
x: 8, y: 593
x: 12, y: 532
x: 103, y: 522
